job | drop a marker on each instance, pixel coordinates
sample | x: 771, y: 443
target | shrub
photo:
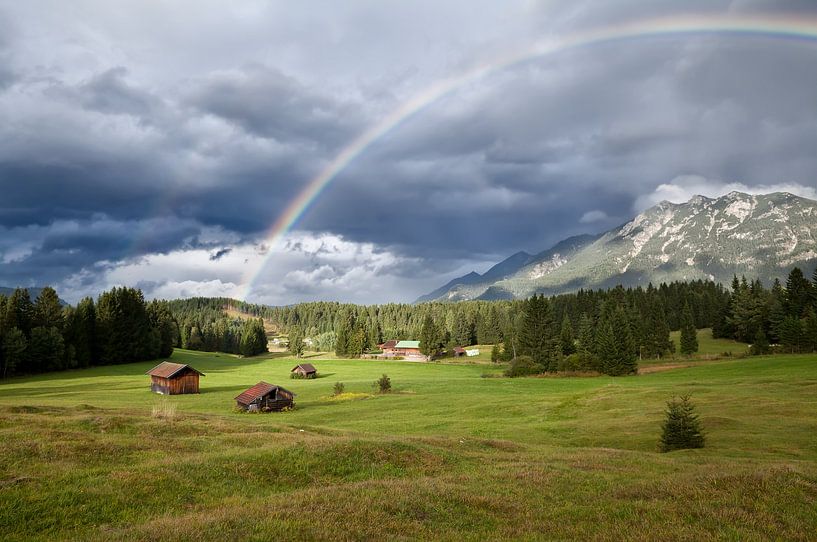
x: 338, y: 389
x: 383, y: 384
x: 579, y: 362
x: 681, y: 428
x: 522, y: 366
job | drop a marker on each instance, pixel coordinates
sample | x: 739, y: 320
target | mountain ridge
x: 762, y: 236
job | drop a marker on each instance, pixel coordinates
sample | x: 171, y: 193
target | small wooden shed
x: 265, y: 397
x: 459, y: 351
x: 174, y: 379
x: 305, y: 370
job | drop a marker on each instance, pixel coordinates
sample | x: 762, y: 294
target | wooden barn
x: 174, y: 379
x: 265, y: 397
x: 459, y: 351
x: 305, y: 370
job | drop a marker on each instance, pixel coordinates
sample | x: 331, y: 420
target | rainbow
x: 767, y: 27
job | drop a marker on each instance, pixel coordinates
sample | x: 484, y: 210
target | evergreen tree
x: 20, y: 311
x: 689, y: 335
x: 123, y: 327
x: 791, y: 334
x: 167, y: 330
x: 760, y: 346
x: 46, y: 349
x: 14, y: 347
x: 537, y: 336
x: 568, y: 344
x: 47, y: 309
x: 253, y: 337
x: 614, y: 343
x: 798, y: 293
x: 810, y: 331
x: 681, y: 428
x: 586, y: 335
x: 429, y: 337
x: 495, y: 353
x: 296, y: 342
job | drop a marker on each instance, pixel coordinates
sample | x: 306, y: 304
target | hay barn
x: 264, y: 397
x: 306, y: 370
x: 174, y: 379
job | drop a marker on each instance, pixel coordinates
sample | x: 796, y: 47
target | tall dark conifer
x: 689, y: 335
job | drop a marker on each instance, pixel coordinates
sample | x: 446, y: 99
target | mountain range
x: 760, y: 236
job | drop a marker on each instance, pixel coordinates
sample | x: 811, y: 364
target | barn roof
x: 389, y: 344
x: 459, y: 349
x: 408, y: 344
x: 308, y: 367
x: 259, y: 390
x: 167, y: 369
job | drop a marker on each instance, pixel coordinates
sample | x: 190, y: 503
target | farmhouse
x: 265, y: 397
x: 408, y: 349
x: 174, y: 379
x: 388, y: 347
x: 305, y: 370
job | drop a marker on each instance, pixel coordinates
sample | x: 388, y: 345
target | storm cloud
x: 143, y: 137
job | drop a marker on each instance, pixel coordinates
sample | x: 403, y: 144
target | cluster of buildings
x: 410, y: 350
x: 169, y: 378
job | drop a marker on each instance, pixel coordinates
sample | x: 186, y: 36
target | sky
x: 154, y: 144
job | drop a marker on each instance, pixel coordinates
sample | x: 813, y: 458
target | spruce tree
x: 798, y: 293
x: 810, y: 331
x: 46, y: 349
x: 791, y: 334
x: 681, y: 428
x: 760, y: 346
x: 689, y: 335
x: 429, y: 337
x: 537, y: 336
x: 568, y: 344
x: 586, y: 335
x: 47, y: 309
x: 296, y: 342
x: 14, y: 347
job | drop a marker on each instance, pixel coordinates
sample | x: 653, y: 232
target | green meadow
x: 453, y: 453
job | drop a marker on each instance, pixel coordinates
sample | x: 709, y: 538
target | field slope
x: 452, y: 454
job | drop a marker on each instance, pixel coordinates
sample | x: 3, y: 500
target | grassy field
x: 453, y: 453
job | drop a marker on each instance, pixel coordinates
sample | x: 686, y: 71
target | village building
x: 305, y: 370
x: 388, y: 347
x: 264, y: 397
x: 408, y: 349
x: 174, y: 379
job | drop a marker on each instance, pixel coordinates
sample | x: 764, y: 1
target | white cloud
x: 593, y: 216
x: 302, y: 267
x: 682, y: 188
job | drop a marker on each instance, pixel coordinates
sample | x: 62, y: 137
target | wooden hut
x: 459, y: 351
x: 265, y: 397
x: 305, y: 370
x: 174, y: 379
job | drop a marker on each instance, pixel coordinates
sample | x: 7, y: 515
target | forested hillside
x: 748, y: 312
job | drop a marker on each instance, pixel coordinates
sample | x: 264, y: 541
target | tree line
x: 43, y: 335
x: 203, y: 325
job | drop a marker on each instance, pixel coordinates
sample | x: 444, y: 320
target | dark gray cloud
x: 189, y: 130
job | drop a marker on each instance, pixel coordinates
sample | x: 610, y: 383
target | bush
x: 681, y: 428
x: 522, y: 366
x: 578, y: 362
x: 338, y: 389
x: 383, y: 384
